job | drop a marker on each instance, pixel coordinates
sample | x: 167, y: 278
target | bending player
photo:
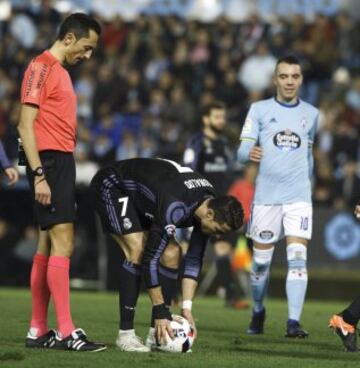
x: 141, y: 202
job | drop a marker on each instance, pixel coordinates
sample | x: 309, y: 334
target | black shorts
x: 117, y: 213
x: 60, y: 175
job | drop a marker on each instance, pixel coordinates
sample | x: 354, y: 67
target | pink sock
x: 40, y: 294
x: 58, y: 281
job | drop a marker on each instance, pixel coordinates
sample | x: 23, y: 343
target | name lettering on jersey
x: 197, y: 183
x: 29, y: 82
x: 32, y: 76
x: 287, y: 140
x: 42, y: 76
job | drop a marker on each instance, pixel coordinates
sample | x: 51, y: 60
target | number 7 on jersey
x: 124, y: 201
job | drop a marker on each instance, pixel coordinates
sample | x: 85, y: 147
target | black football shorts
x: 60, y: 175
x: 117, y: 213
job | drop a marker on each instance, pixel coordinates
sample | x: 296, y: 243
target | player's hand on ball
x: 162, y: 327
x: 186, y: 313
x: 256, y: 154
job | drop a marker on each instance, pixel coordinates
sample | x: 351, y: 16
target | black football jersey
x: 168, y: 194
x: 210, y: 158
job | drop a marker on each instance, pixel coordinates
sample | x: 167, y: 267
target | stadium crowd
x: 142, y: 92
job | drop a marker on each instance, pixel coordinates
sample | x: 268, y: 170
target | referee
x: 47, y: 128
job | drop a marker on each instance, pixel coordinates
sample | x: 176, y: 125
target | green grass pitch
x: 221, y: 341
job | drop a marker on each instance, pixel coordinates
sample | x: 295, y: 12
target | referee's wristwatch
x: 39, y: 171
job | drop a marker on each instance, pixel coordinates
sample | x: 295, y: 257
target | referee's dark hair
x: 216, y: 105
x: 80, y: 24
x: 227, y: 209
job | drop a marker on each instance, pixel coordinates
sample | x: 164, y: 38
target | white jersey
x: 286, y: 134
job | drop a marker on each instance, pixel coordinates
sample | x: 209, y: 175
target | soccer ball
x: 184, y: 337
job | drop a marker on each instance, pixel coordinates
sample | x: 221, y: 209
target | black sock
x: 351, y: 314
x: 225, y: 276
x: 168, y: 280
x: 129, y: 289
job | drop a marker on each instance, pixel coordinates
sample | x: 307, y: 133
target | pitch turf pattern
x: 222, y: 340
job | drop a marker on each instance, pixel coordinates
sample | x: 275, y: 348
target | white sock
x: 297, y: 279
x: 259, y: 276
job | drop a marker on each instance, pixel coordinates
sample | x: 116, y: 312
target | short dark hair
x: 288, y: 59
x: 216, y: 105
x: 80, y: 24
x: 227, y: 209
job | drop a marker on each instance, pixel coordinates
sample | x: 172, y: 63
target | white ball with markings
x: 184, y: 337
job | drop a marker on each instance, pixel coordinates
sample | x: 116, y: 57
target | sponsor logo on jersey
x: 127, y: 224
x: 170, y: 229
x: 218, y: 166
x: 273, y: 121
x: 287, y: 140
x: 247, y: 126
x: 266, y: 234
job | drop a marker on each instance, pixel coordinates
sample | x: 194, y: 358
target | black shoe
x: 46, y: 341
x: 257, y: 323
x: 345, y: 331
x: 294, y: 330
x: 77, y: 341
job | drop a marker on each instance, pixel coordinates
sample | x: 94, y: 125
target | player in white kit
x: 278, y: 133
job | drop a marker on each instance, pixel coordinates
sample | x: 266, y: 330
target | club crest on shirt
x: 303, y: 123
x: 127, y: 224
x: 266, y: 234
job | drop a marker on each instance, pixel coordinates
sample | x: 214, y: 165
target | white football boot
x: 128, y: 341
x: 150, y: 341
